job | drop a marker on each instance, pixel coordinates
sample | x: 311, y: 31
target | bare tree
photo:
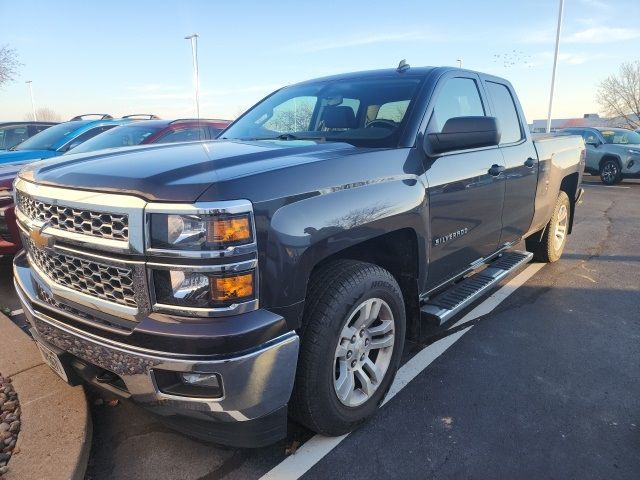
x: 619, y: 95
x: 8, y: 64
x: 45, y: 115
x: 291, y: 120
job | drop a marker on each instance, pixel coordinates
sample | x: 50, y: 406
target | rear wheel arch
x: 569, y: 185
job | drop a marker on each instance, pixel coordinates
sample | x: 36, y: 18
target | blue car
x: 61, y: 138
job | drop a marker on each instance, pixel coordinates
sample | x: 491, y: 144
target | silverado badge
x: 445, y: 238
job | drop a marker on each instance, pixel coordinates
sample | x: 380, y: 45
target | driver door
x: 466, y: 196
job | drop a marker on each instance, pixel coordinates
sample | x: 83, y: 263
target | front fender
x: 308, y: 231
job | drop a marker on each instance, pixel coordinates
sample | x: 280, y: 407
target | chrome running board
x: 444, y: 306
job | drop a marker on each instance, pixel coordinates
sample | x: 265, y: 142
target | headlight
x: 203, y: 290
x: 199, y: 232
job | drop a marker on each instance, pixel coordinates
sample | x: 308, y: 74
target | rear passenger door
x: 465, y: 199
x: 520, y: 160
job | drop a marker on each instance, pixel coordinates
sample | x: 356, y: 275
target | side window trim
x: 484, y: 99
x: 426, y: 120
x: 523, y: 134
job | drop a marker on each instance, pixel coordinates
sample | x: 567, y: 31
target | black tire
x: 610, y: 172
x: 335, y: 292
x: 542, y: 244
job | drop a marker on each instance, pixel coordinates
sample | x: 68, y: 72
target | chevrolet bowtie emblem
x: 40, y: 239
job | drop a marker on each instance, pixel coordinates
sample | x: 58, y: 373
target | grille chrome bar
x: 105, y: 221
x: 99, y: 224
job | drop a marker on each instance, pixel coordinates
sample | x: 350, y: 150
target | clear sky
x: 124, y: 57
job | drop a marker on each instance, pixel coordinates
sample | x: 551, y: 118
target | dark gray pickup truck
x: 278, y: 271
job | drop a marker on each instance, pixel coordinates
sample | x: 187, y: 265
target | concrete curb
x: 55, y: 436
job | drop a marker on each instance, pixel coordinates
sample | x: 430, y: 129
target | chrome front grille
x: 88, y: 222
x: 107, y: 282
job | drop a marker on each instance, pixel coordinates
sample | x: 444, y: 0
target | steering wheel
x: 390, y: 124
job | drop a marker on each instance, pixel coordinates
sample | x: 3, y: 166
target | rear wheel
x: 547, y: 246
x: 352, y: 339
x: 610, y: 172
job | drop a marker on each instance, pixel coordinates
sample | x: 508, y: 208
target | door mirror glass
x: 461, y: 133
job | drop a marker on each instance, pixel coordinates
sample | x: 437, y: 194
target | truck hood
x: 14, y: 156
x: 174, y: 172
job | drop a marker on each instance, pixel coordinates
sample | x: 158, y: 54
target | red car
x: 9, y: 238
x: 154, y: 131
x: 130, y: 134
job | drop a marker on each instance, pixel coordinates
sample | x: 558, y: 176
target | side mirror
x: 593, y: 142
x: 460, y: 133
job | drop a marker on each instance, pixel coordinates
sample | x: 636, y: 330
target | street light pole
x: 196, y: 76
x: 555, y: 64
x: 33, y: 104
x: 459, y: 63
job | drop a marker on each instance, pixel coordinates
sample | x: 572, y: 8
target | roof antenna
x: 403, y: 66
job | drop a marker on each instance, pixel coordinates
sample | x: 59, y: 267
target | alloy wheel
x: 364, y: 352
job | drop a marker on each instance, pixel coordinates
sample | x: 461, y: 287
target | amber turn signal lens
x: 230, y: 230
x: 228, y: 289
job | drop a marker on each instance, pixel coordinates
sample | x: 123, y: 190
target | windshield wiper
x: 289, y: 136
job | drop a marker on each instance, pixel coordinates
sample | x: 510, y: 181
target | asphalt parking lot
x: 544, y: 385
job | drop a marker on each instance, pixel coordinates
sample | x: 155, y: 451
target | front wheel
x: 352, y: 340
x: 548, y: 246
x: 610, y: 172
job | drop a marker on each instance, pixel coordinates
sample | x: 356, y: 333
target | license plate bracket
x: 53, y: 360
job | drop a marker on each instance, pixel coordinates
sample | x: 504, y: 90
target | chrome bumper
x: 255, y: 384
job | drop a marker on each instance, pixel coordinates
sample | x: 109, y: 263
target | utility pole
x: 33, y: 104
x: 555, y: 64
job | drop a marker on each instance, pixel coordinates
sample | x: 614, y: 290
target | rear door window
x: 184, y: 135
x: 13, y: 136
x: 506, y: 113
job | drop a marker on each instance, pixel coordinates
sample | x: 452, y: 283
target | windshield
x: 620, y: 136
x: 366, y: 113
x: 49, y: 137
x: 125, y: 136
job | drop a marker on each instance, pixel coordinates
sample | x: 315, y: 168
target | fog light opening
x: 189, y: 384
x: 210, y: 380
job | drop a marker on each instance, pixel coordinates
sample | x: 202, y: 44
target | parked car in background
x: 9, y: 235
x: 61, y: 138
x: 13, y: 133
x: 155, y: 131
x: 130, y: 134
x: 612, y: 153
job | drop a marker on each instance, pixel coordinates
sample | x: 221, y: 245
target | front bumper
x: 256, y: 384
x: 631, y: 166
